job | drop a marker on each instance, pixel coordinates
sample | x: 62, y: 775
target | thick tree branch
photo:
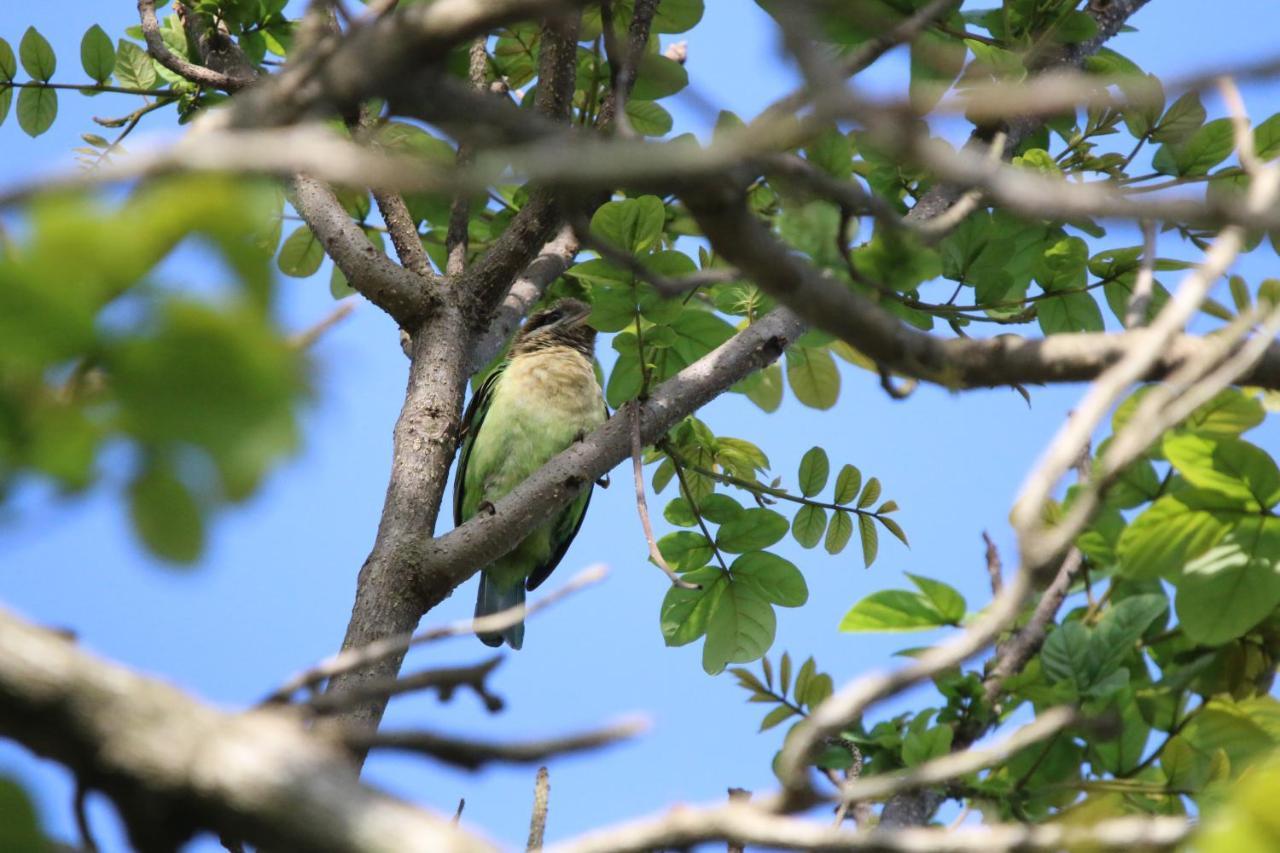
x: 387, y: 602
x: 174, y: 766
x: 828, y: 304
x: 394, y: 289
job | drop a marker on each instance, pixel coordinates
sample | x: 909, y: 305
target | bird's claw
x: 603, y: 481
x: 486, y: 506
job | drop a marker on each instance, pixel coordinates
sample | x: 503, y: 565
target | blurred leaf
x: 301, y: 254
x: 813, y: 376
x: 166, y: 515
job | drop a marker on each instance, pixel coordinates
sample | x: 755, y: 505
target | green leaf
x: 839, y: 531
x: 784, y: 674
x: 677, y: 16
x: 919, y: 747
x: 814, y: 470
x: 893, y: 610
x: 37, y: 108
x: 1175, y: 529
x: 301, y: 254
x: 1266, y: 137
x: 1230, y: 466
x: 658, y: 77
x: 8, y: 64
x: 777, y: 715
x: 1122, y: 625
x: 648, y: 118
x: 776, y: 579
x: 1065, y: 654
x: 949, y: 604
x: 97, y: 55
x: 831, y: 152
x: 764, y: 388
x: 848, y: 484
x: 740, y: 627
x: 133, y: 66
x: 1229, y: 413
x: 37, y: 56
x: 1074, y: 312
x: 870, y: 493
x: 870, y: 539
x: 20, y: 830
x: 808, y: 525
x: 684, y: 611
x: 813, y: 377
x: 894, y: 528
x: 751, y: 530
x: 166, y: 516
x: 1232, y: 587
x: 633, y: 224
x: 1181, y: 120
x: 1195, y: 156
x: 685, y: 550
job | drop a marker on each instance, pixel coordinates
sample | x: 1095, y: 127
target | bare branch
x: 357, y: 658
x: 538, y: 819
x: 444, y: 680
x: 474, y: 754
x: 642, y: 506
x: 746, y: 825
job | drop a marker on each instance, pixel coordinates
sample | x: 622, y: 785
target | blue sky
x: 274, y: 589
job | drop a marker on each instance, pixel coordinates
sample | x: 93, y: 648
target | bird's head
x: 564, y: 324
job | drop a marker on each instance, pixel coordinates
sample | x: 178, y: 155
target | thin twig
x: 994, y: 567
x: 1143, y: 285
x: 474, y: 754
x: 538, y: 818
x: 444, y: 680
x: 352, y: 659
x: 642, y: 507
x: 305, y: 339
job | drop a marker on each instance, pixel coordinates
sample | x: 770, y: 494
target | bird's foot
x: 486, y: 506
x: 603, y: 481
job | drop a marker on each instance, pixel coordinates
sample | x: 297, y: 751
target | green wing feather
x: 472, y: 418
x: 564, y: 530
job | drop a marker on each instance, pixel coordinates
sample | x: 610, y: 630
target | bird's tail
x: 495, y: 597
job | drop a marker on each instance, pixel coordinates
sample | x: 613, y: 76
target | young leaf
x: 892, y: 610
x: 870, y: 539
x: 869, y: 494
x: 944, y: 598
x: 808, y: 525
x: 848, y: 483
x: 839, y: 531
x: 301, y: 254
x: 777, y: 715
x: 814, y: 470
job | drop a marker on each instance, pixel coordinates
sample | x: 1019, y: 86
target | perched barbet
x: 542, y: 398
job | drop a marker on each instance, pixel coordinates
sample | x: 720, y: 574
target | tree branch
x: 396, y: 290
x: 174, y: 765
x: 474, y: 754
x: 187, y: 70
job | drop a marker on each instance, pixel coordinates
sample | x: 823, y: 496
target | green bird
x: 542, y: 398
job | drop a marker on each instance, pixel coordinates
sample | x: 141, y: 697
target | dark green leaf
x: 301, y: 254
x: 8, y: 64
x: 740, y: 628
x: 166, y: 516
x: 685, y: 550
x: 751, y: 530
x: 684, y: 611
x: 632, y: 224
x: 1181, y: 120
x: 776, y: 579
x: 37, y: 108
x: 37, y: 56
x: 97, y: 54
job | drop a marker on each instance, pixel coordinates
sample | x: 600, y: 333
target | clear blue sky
x: 274, y: 589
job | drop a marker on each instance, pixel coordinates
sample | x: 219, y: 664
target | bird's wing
x: 564, y: 530
x: 472, y: 419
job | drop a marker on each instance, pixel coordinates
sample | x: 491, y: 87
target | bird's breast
x: 557, y: 384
